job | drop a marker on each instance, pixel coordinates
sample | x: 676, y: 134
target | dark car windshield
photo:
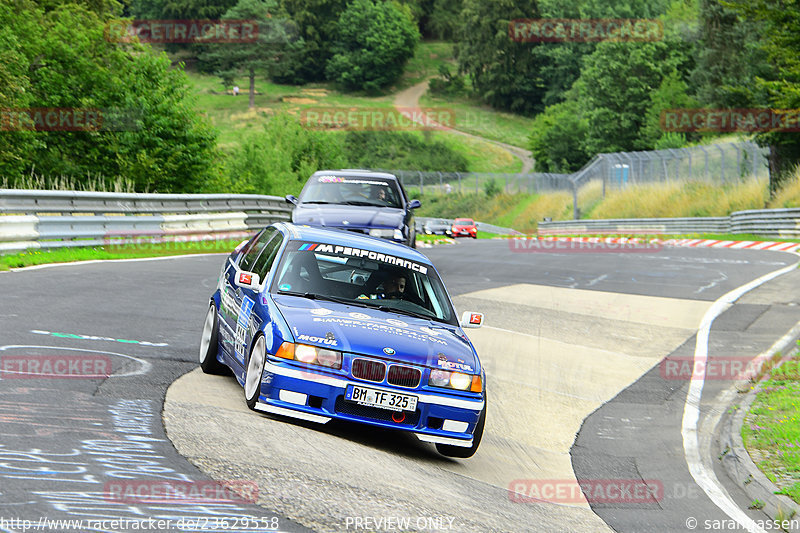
x: 363, y: 277
x: 351, y: 190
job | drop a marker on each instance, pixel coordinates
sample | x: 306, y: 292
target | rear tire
x: 255, y: 369
x: 461, y: 452
x: 209, y: 344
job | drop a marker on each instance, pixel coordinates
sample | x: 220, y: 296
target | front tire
x: 461, y: 452
x: 209, y: 344
x: 255, y: 369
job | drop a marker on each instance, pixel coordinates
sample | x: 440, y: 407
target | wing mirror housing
x: 248, y: 280
x: 471, y: 319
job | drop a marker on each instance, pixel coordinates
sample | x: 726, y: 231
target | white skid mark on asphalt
x: 597, y: 280
x: 703, y: 475
x: 144, y: 366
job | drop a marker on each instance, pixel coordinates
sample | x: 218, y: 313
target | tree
x: 729, y: 58
x: 505, y: 74
x: 279, y: 159
x: 161, y: 144
x: 779, y: 88
x: 306, y: 58
x: 671, y: 94
x: 558, y: 137
x: 374, y: 40
x: 250, y: 57
x: 618, y: 78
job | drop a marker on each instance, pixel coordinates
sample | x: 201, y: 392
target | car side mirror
x: 291, y: 199
x: 413, y: 204
x: 248, y: 280
x: 471, y: 320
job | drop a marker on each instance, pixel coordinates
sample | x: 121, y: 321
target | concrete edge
x: 734, y: 456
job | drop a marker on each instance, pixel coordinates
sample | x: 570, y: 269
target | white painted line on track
x: 94, y: 261
x: 144, y: 367
x: 703, y: 475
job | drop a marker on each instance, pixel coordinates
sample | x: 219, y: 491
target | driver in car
x: 394, y: 287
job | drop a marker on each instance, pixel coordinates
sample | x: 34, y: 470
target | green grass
x: 232, y: 116
x: 481, y: 120
x: 69, y: 255
x: 428, y: 56
x: 771, y: 430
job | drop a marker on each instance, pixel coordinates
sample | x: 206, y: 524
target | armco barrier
x: 50, y: 219
x: 781, y: 223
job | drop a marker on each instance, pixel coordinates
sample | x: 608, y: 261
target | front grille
x: 373, y: 413
x: 404, y: 376
x: 369, y: 370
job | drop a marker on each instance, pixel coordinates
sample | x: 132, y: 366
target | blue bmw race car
x: 319, y: 324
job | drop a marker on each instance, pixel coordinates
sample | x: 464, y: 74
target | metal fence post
x: 575, y: 210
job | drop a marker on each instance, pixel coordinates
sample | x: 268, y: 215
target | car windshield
x: 351, y: 190
x: 363, y: 277
x: 464, y: 221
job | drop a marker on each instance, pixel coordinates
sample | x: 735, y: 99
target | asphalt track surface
x: 67, y: 444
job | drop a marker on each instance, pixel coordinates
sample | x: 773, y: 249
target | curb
x: 779, y: 246
x: 737, y: 461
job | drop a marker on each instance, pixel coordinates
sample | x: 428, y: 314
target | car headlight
x: 312, y: 355
x: 387, y: 233
x: 455, y: 380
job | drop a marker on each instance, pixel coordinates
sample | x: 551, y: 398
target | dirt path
x: 410, y: 98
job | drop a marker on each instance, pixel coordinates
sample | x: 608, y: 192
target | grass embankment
x: 523, y: 211
x: 771, y: 430
x: 234, y: 120
x: 130, y: 251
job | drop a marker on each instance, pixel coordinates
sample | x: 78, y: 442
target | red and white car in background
x: 465, y: 227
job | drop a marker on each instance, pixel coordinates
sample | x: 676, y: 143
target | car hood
x: 348, y: 215
x: 377, y: 333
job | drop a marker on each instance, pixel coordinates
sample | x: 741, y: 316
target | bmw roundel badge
x: 388, y: 351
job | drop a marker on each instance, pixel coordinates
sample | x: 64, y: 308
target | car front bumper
x: 308, y: 395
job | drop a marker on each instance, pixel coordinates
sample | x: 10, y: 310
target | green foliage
x: 448, y: 84
x: 491, y: 188
x: 400, y: 150
x: 558, y: 138
x: 671, y: 94
x: 505, y: 74
x: 374, y: 40
x: 618, y: 80
x: 259, y: 56
x: 151, y: 133
x: 779, y: 88
x: 316, y: 22
x: 729, y: 58
x: 280, y: 159
x: 444, y: 20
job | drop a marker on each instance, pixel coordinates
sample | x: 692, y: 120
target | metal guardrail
x: 781, y: 223
x: 14, y: 201
x: 52, y: 219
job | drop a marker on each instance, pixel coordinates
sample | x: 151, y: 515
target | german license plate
x: 382, y: 399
